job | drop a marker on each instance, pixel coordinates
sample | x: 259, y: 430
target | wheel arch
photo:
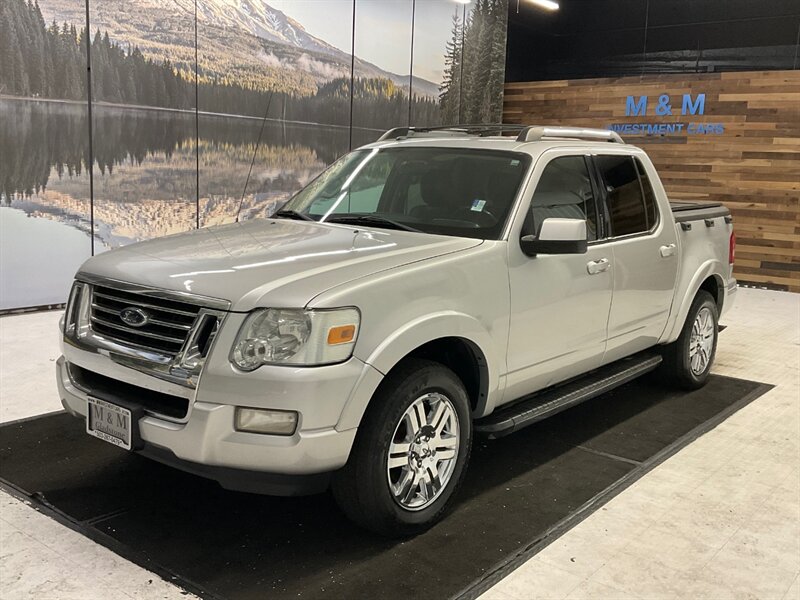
x: 465, y: 359
x: 707, y: 278
x: 714, y: 285
x: 457, y: 341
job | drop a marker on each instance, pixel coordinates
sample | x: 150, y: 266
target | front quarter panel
x: 463, y: 295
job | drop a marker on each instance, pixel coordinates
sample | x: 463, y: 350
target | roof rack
x: 536, y: 133
x: 479, y: 129
x: 526, y: 133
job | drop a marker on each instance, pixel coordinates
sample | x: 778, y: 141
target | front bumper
x: 206, y: 443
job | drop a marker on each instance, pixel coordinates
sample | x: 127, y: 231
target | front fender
x: 410, y: 336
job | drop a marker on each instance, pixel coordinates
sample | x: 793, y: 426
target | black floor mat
x: 521, y: 492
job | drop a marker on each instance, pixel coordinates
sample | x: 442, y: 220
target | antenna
x: 255, y: 153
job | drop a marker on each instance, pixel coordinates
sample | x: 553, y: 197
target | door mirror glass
x: 557, y: 236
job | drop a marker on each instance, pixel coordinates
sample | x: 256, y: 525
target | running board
x: 545, y: 404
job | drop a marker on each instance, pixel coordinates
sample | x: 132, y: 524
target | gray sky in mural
x: 389, y: 20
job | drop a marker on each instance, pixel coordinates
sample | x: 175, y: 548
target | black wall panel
x: 612, y: 38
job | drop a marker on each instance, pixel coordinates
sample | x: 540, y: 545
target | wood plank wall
x: 753, y: 167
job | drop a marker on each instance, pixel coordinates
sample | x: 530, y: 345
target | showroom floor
x: 720, y: 519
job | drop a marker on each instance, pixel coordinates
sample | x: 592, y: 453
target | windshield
x: 450, y: 191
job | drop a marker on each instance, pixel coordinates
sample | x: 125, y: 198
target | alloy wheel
x: 701, y: 341
x: 423, y: 451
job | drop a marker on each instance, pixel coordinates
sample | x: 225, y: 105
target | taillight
x: 732, y: 248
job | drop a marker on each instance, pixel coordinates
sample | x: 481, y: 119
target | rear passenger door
x: 643, y: 245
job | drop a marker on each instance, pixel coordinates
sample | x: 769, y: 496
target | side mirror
x: 557, y: 236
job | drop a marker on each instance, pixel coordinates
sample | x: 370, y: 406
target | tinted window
x: 624, y: 193
x: 564, y: 191
x: 649, y: 196
x: 449, y: 191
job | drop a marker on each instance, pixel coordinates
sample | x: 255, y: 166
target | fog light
x: 258, y: 420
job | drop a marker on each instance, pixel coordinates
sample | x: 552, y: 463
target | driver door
x: 560, y: 303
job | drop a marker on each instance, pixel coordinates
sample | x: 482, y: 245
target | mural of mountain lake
x: 145, y: 181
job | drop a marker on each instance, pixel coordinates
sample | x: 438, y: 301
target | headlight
x: 288, y: 336
x: 76, y: 315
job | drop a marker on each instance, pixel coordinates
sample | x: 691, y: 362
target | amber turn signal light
x: 341, y: 334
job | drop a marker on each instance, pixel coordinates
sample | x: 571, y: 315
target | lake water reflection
x: 145, y: 181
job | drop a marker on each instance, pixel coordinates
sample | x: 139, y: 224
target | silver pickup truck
x: 431, y: 286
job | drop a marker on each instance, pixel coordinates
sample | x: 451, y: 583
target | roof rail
x: 527, y: 133
x: 536, y: 133
x: 479, y: 129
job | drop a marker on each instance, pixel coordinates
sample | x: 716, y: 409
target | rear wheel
x: 687, y: 361
x: 411, y: 451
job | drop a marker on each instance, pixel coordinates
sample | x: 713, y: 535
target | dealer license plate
x: 109, y: 422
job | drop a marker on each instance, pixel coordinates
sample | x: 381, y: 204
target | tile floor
x: 719, y: 520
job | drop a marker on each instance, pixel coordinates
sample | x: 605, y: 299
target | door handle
x: 667, y: 250
x: 598, y: 266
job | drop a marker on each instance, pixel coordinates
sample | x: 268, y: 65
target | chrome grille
x: 167, y: 326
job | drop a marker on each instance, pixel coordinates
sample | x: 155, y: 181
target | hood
x: 273, y: 262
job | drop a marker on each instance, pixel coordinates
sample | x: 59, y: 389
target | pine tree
x: 498, y: 65
x: 473, y: 59
x: 20, y: 75
x: 450, y: 90
x: 98, y: 67
x: 481, y: 104
x: 32, y: 49
x: 8, y: 82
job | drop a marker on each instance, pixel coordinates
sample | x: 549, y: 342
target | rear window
x: 649, y: 196
x: 626, y: 200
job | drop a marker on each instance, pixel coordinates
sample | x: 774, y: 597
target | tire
x: 370, y: 491
x: 687, y: 361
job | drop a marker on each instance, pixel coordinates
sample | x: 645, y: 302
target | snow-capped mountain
x: 265, y: 22
x: 247, y: 41
x: 272, y: 25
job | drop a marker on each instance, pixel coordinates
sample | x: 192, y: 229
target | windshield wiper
x: 292, y: 214
x: 376, y: 220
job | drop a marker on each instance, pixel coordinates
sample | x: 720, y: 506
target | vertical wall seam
x: 196, y: 123
x: 352, y: 73
x: 644, y: 46
x: 411, y: 62
x: 461, y: 60
x: 91, y: 134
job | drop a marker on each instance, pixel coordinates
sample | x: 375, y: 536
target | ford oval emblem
x: 135, y: 317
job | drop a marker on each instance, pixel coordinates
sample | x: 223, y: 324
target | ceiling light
x: 548, y: 4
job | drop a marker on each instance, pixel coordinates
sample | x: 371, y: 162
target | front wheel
x: 687, y: 361
x: 411, y: 452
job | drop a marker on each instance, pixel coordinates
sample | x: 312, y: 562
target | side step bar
x: 545, y: 404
